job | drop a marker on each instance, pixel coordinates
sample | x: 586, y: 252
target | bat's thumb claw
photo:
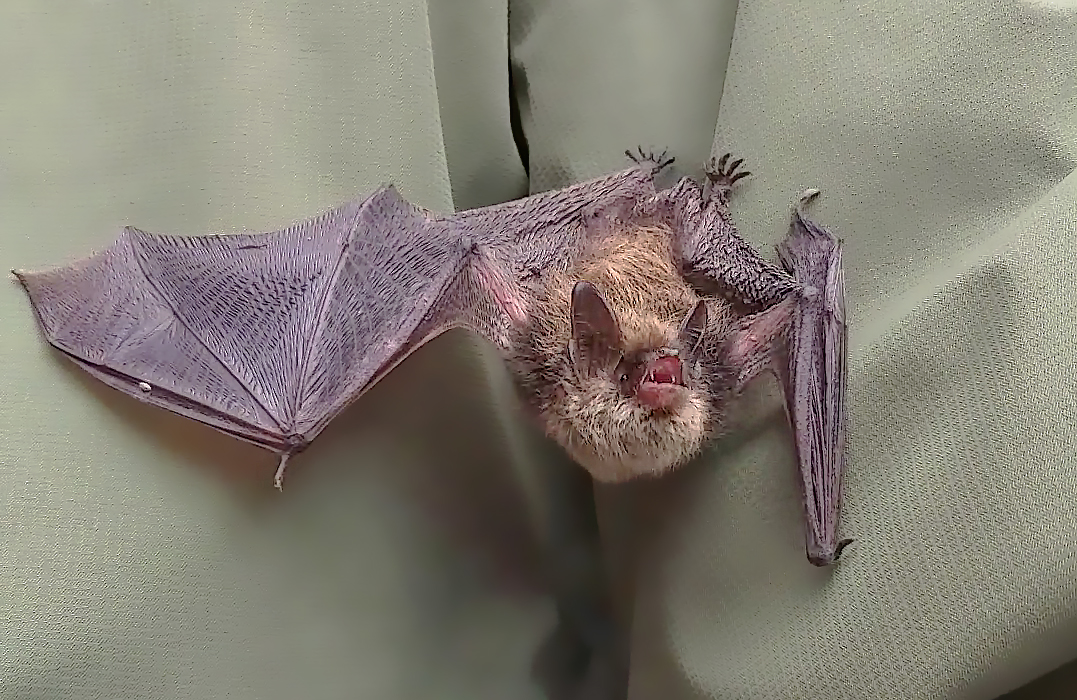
x: 807, y: 196
x: 822, y: 559
x: 803, y: 199
x: 841, y: 546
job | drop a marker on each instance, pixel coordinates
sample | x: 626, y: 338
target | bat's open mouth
x: 662, y: 385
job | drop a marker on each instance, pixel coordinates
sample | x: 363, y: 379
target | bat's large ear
x: 758, y: 340
x: 693, y: 326
x: 596, y: 337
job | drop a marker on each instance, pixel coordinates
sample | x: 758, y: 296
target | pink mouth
x: 662, y: 386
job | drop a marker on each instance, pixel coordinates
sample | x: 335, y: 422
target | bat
x: 631, y: 318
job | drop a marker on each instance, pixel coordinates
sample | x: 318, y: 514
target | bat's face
x: 642, y: 395
x: 627, y: 366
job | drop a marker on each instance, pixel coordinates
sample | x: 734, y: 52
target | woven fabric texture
x: 424, y: 545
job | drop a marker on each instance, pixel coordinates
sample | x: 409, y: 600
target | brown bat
x: 630, y: 317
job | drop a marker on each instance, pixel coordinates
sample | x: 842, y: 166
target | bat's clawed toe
x: 660, y: 161
x: 721, y: 174
x: 721, y: 171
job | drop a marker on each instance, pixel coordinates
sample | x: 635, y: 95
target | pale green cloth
x: 412, y: 552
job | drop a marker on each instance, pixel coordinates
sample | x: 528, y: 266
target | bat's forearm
x: 711, y: 252
x: 721, y: 254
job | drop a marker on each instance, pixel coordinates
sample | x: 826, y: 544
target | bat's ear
x: 758, y: 340
x: 596, y: 337
x: 693, y: 326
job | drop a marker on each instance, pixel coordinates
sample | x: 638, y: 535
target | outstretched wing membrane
x: 269, y: 336
x: 263, y: 336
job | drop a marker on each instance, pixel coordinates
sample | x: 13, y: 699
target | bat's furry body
x: 605, y: 429
x: 608, y: 299
x: 602, y: 424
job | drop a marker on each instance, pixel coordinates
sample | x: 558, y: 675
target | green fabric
x: 418, y: 545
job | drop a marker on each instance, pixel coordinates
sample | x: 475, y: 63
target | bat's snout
x: 661, y: 385
x: 664, y: 370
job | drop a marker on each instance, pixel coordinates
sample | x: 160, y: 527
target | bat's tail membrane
x: 815, y: 377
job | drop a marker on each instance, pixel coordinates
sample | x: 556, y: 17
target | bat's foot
x: 721, y: 174
x: 660, y: 161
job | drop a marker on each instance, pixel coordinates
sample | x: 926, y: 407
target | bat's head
x: 631, y: 369
x: 644, y: 388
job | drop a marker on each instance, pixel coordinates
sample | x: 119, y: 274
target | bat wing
x: 263, y: 336
x: 269, y: 336
x: 716, y: 259
x: 815, y: 378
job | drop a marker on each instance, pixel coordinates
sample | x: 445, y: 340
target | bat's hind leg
x: 660, y: 161
x: 713, y: 255
x: 721, y: 174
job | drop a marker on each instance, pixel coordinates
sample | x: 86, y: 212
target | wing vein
x: 179, y: 319
x: 319, y: 316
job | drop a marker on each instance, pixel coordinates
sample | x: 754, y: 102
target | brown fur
x: 609, y: 434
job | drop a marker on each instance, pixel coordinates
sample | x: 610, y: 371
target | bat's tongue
x: 662, y: 387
